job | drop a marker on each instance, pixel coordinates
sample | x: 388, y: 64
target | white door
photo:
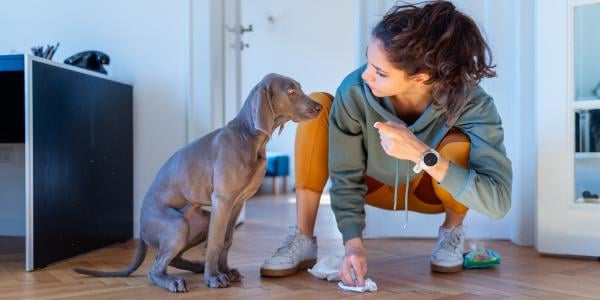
x: 568, y: 121
x: 232, y: 54
x: 314, y: 46
x: 214, y: 60
x: 215, y: 68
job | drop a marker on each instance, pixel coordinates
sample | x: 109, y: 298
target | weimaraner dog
x: 221, y: 170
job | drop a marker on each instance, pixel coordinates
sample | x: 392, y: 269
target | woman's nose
x: 366, y: 76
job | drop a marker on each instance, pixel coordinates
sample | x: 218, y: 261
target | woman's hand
x: 399, y: 142
x: 354, y: 261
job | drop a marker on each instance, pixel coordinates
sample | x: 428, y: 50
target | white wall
x: 510, y: 29
x: 525, y: 167
x: 12, y: 190
x: 147, y: 41
x: 314, y: 46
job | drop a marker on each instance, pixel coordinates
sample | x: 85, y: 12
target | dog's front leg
x: 220, y: 214
x: 233, y: 274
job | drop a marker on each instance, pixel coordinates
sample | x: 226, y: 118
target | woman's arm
x: 486, y: 185
x: 347, y: 159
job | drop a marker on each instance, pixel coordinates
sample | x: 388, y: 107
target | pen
x: 53, y: 51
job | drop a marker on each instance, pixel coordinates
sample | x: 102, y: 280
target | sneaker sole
x: 445, y: 269
x: 290, y: 271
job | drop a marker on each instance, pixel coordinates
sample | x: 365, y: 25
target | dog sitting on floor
x: 221, y: 170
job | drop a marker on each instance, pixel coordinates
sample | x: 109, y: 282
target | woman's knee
x: 321, y: 122
x: 324, y: 99
x: 455, y: 147
x: 311, y: 147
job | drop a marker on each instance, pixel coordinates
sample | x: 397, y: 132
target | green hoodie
x: 355, y: 150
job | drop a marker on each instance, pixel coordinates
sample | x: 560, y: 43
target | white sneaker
x: 447, y: 256
x: 298, y: 252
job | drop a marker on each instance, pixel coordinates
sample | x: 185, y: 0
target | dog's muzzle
x: 313, y: 111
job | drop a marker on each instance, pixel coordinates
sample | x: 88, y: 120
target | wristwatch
x: 429, y: 159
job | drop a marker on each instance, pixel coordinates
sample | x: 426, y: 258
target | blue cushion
x: 278, y: 164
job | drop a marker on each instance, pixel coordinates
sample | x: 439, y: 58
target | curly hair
x: 442, y: 42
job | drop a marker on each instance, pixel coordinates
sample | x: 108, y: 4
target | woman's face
x: 382, y: 77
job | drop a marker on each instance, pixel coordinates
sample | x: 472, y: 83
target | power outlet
x: 7, y: 155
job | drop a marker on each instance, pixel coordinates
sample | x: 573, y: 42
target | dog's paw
x: 220, y: 280
x: 177, y: 285
x: 173, y: 284
x: 234, y: 275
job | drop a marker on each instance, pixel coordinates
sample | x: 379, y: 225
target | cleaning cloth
x: 328, y: 268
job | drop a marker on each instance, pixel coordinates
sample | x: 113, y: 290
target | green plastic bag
x: 479, y: 257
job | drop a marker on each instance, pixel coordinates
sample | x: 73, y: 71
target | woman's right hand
x: 354, y: 260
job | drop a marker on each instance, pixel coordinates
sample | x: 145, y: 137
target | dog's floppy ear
x: 262, y: 112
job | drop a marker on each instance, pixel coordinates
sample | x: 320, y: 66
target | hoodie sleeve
x: 486, y: 185
x: 347, y: 160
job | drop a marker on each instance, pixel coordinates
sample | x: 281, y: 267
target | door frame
x: 562, y: 227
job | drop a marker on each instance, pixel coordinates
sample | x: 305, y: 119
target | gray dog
x: 221, y: 170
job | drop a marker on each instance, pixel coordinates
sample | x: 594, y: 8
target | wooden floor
x: 400, y: 268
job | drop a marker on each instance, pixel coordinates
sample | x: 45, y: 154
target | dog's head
x: 278, y: 99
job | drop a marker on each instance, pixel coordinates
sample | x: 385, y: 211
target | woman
x: 413, y: 118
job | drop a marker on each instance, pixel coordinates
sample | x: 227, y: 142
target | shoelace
x: 453, y: 241
x: 290, y: 244
x: 405, y: 191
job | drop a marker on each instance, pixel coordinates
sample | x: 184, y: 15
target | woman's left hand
x: 399, y: 142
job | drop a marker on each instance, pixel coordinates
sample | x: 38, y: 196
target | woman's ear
x: 420, y: 78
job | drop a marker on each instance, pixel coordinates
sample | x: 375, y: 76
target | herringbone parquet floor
x: 399, y: 266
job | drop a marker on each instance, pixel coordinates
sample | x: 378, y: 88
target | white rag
x: 370, y: 286
x: 328, y: 268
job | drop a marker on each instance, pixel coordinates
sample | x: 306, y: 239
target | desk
x: 75, y: 128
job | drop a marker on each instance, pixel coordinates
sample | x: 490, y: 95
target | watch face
x: 430, y: 159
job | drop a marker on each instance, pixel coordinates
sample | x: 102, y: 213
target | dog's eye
x: 291, y: 91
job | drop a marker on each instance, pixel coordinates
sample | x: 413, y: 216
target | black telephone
x: 91, y: 60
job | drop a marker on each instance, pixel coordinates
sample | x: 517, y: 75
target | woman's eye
x: 291, y: 91
x: 380, y: 75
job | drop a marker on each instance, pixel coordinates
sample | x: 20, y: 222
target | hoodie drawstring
x: 405, y: 191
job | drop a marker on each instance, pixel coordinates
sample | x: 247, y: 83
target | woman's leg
x: 453, y: 218
x: 447, y: 255
x: 299, y: 251
x: 455, y: 147
x: 307, y: 205
x: 311, y: 171
x: 425, y: 195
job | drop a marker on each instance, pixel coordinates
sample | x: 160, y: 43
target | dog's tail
x: 140, y: 254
